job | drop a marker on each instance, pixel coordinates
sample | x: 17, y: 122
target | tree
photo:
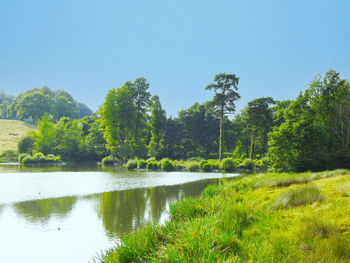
x: 330, y: 98
x: 157, y: 127
x: 141, y: 101
x: 33, y: 104
x: 224, y: 99
x: 45, y: 136
x: 259, y: 122
x: 118, y: 116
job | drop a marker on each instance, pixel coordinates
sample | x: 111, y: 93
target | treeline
x: 34, y: 103
x: 311, y: 132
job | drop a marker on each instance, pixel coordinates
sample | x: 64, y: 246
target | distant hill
x: 34, y: 103
x: 10, y: 133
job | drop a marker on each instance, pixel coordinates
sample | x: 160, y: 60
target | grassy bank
x: 11, y: 132
x: 261, y: 218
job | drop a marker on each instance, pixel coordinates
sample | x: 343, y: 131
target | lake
x: 72, y: 213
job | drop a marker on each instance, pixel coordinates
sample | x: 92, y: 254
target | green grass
x: 11, y: 132
x: 234, y: 222
x: 296, y: 197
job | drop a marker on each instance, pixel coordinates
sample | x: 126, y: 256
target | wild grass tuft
x: 285, y: 179
x: 297, y: 197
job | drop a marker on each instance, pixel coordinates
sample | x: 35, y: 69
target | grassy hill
x: 257, y: 218
x: 10, y: 133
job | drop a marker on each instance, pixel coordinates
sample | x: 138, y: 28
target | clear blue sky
x: 88, y: 47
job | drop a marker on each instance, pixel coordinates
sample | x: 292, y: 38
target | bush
x: 194, y: 159
x: 214, y: 164
x: 109, y: 160
x: 179, y: 165
x: 248, y: 164
x: 206, y: 167
x: 142, y: 164
x: 166, y: 164
x: 9, y: 156
x: 38, y: 158
x: 25, y: 145
x: 192, y: 166
x: 263, y: 162
x: 298, y: 197
x: 131, y: 164
x: 201, y: 163
x: 22, y: 156
x: 227, y: 165
x: 152, y: 165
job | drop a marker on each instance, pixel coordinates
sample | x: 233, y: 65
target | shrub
x: 201, y: 163
x: 227, y: 165
x: 109, y: 160
x: 297, y: 197
x: 206, y: 167
x: 192, y: 166
x: 25, y: 145
x: 131, y: 164
x: 9, y: 156
x: 166, y: 164
x: 263, y: 162
x: 22, y: 156
x: 248, y: 164
x: 179, y: 165
x: 142, y: 164
x: 152, y: 165
x: 194, y: 159
x: 214, y: 164
x: 38, y: 158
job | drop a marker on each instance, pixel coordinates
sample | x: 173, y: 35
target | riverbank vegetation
x: 192, y: 164
x: 311, y: 132
x: 258, y: 218
x: 38, y: 159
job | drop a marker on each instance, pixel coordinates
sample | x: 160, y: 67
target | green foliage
x: 39, y: 159
x: 214, y: 164
x: 248, y: 164
x: 109, y: 160
x: 22, y: 156
x: 227, y: 165
x: 152, y: 165
x: 211, y: 191
x: 131, y: 164
x: 228, y: 220
x: 8, y: 156
x: 312, y: 137
x: 166, y: 164
x: 206, y: 167
x: 26, y: 144
x: 224, y: 99
x: 201, y: 163
x: 142, y: 164
x: 157, y: 128
x: 297, y: 197
x: 192, y: 166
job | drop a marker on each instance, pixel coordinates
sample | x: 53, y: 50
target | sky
x: 87, y: 47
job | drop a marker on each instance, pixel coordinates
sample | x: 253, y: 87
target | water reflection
x: 123, y: 211
x: 40, y: 211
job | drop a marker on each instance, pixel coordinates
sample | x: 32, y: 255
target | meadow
x: 11, y: 132
x: 258, y: 218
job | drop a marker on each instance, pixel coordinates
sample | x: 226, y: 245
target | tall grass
x: 297, y: 197
x: 234, y: 222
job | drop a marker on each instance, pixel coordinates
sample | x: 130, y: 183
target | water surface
x: 71, y: 213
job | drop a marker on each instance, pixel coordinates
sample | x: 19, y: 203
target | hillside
x: 258, y: 218
x: 10, y: 133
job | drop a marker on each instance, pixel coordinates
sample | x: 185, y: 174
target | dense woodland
x: 311, y: 132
